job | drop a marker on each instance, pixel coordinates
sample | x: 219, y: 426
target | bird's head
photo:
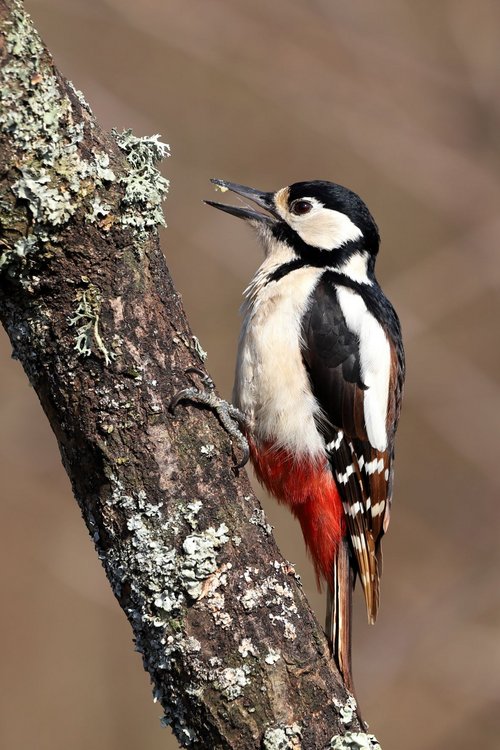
x: 322, y: 222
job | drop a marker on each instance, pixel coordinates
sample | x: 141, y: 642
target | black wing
x: 363, y: 474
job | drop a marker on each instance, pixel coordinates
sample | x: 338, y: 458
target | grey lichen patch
x: 192, y: 343
x: 80, y: 96
x: 208, y: 450
x: 200, y: 558
x: 54, y: 193
x: 145, y: 187
x: 215, y: 600
x: 198, y: 349
x: 231, y: 681
x: 274, y: 594
x: 160, y: 583
x: 183, y: 573
x: 22, y: 248
x: 282, y: 737
x: 258, y: 518
x: 98, y: 211
x: 347, y: 710
x: 32, y: 104
x: 55, y: 178
x: 48, y: 203
x: 190, y: 513
x: 147, y: 556
x: 247, y: 648
x: 354, y: 741
x: 86, y: 320
x: 272, y: 656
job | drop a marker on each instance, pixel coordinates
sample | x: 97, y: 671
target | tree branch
x: 236, y: 656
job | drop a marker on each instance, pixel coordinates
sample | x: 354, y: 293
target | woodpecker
x: 319, y: 380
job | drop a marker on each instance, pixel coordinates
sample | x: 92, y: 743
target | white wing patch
x: 375, y: 361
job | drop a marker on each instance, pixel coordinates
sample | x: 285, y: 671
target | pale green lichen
x: 231, y: 681
x: 145, y: 187
x: 272, y: 656
x: 355, y: 741
x: 49, y: 204
x: 347, y: 710
x: 215, y: 601
x: 208, y: 450
x: 247, y: 648
x: 57, y: 177
x: 80, y: 96
x: 190, y: 513
x: 86, y: 320
x: 192, y: 343
x: 258, y: 518
x: 32, y: 106
x: 282, y: 737
x: 272, y: 593
x: 198, y: 349
x: 170, y: 576
x: 54, y: 193
x: 21, y: 249
x: 200, y: 558
x: 98, y: 210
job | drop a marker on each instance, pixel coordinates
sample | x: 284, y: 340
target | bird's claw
x: 229, y: 416
x: 204, y: 377
x: 190, y: 394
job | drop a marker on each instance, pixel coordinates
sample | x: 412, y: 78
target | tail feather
x: 338, y: 612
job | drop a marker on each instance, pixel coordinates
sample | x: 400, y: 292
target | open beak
x: 264, y: 200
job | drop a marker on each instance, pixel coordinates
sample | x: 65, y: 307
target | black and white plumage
x: 356, y: 368
x: 319, y: 377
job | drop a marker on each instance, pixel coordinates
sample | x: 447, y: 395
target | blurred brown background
x: 399, y: 101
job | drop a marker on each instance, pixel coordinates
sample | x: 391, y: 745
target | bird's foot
x: 230, y: 417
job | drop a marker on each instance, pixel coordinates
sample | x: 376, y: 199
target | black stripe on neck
x: 315, y: 256
x: 285, y: 269
x: 297, y: 263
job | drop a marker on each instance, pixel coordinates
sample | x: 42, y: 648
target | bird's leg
x: 230, y: 417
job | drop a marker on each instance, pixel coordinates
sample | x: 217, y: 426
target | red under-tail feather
x: 307, y: 486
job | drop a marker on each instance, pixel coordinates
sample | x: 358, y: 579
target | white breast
x: 271, y: 385
x: 375, y: 361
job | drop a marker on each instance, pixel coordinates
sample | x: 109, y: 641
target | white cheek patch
x: 375, y: 360
x: 324, y: 228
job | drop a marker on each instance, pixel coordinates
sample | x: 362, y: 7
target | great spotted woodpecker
x: 319, y: 380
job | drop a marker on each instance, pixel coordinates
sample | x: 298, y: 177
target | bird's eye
x: 300, y: 207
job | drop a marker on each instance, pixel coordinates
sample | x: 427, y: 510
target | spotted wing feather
x: 363, y: 474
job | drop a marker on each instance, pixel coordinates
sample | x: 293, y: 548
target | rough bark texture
x: 236, y: 657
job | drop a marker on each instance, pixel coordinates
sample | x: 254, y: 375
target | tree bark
x: 235, y: 654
